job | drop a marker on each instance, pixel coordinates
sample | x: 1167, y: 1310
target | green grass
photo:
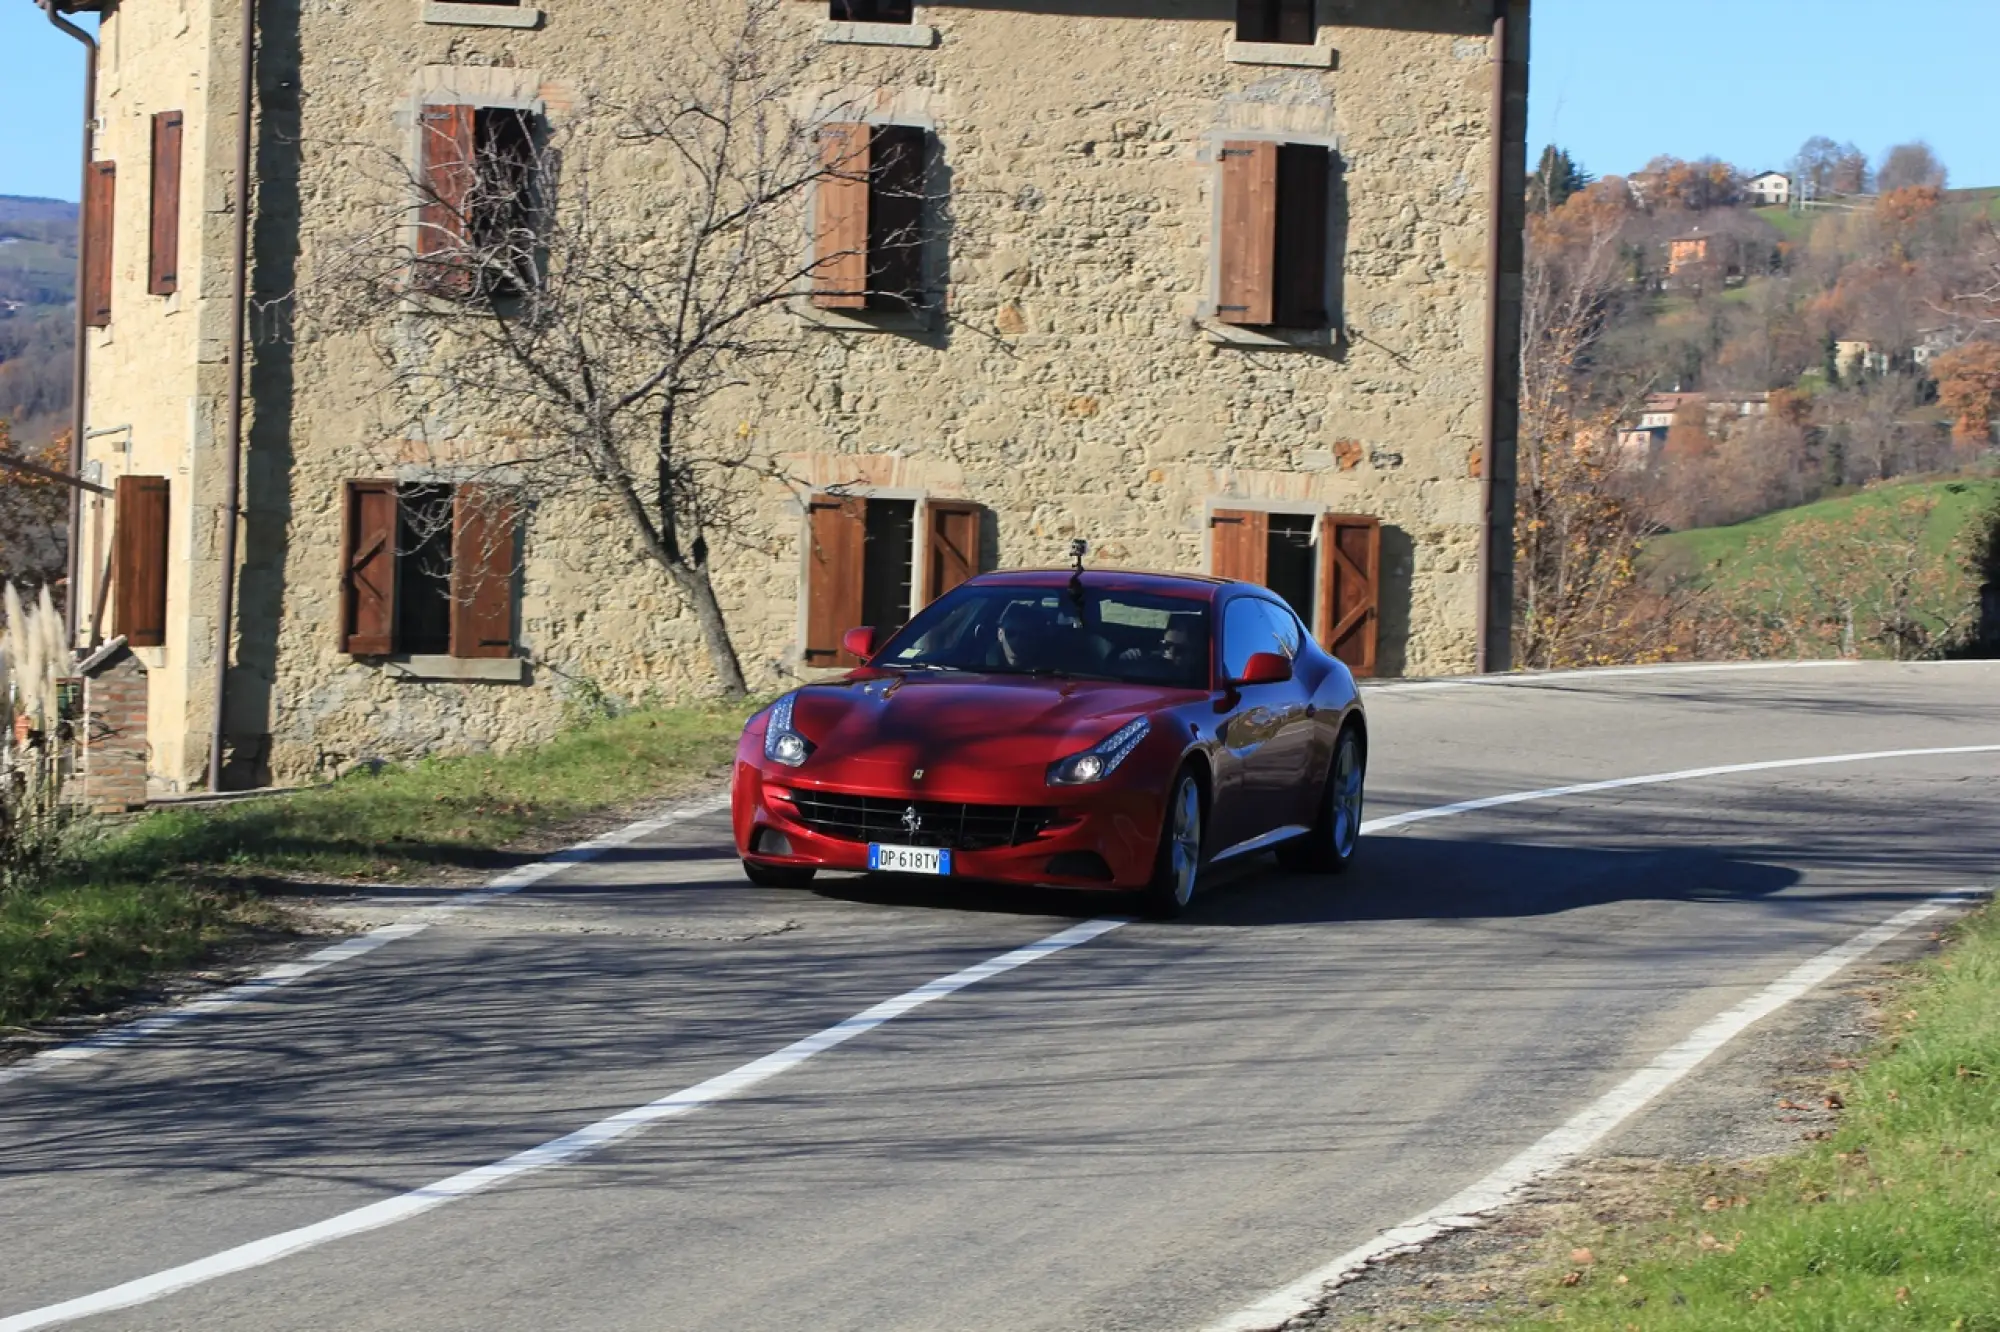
x: 1722, y: 554
x: 166, y: 890
x: 1790, y: 226
x: 1893, y: 1224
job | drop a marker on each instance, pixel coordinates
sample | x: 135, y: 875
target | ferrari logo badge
x: 917, y: 776
x: 913, y: 822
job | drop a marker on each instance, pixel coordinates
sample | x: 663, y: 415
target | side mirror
x: 859, y: 643
x: 1265, y: 668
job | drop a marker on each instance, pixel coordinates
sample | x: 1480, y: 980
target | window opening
x: 1288, y: 22
x: 886, y: 565
x: 872, y: 11
x: 423, y: 569
x: 1289, y: 566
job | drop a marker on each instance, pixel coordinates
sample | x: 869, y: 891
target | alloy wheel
x: 1346, y: 795
x: 1185, y: 853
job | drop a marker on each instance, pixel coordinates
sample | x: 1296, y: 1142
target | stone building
x: 1229, y: 285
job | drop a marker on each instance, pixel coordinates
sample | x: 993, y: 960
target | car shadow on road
x: 1395, y: 878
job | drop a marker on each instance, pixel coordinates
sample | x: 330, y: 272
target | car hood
x: 964, y: 730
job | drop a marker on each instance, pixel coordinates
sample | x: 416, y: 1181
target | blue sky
x: 1615, y: 81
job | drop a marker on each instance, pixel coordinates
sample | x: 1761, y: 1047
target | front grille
x: 858, y: 818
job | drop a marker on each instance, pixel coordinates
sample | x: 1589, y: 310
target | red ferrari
x: 1094, y: 729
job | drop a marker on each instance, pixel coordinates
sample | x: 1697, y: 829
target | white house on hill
x: 1770, y: 187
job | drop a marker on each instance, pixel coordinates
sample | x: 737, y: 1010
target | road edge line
x: 1470, y: 1206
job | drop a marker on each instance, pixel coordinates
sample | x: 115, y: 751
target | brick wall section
x: 114, y: 745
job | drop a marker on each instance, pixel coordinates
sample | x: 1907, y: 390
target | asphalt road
x: 1148, y: 1131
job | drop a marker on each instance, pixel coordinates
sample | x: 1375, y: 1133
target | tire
x: 1177, y: 864
x: 1336, y: 832
x: 777, y: 876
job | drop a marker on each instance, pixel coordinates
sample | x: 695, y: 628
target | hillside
x: 37, y: 289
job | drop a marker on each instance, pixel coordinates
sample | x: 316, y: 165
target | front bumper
x: 1101, y: 837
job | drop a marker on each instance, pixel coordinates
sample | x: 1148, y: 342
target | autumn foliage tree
x: 1968, y: 380
x: 32, y: 515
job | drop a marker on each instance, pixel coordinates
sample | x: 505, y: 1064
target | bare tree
x: 587, y: 292
x: 1578, y: 524
x: 1911, y: 164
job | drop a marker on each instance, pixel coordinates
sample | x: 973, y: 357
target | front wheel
x: 777, y: 876
x: 1336, y: 832
x: 1178, y: 863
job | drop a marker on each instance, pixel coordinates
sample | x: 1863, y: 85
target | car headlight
x: 782, y: 744
x: 1101, y: 759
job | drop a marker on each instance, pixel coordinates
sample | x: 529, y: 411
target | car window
x: 1137, y: 637
x: 1284, y: 628
x: 1252, y: 625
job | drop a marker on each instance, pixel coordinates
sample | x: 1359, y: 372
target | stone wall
x: 115, y: 752
x: 1078, y: 386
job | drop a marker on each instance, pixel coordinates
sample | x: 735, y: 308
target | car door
x: 1254, y: 763
x: 1289, y: 752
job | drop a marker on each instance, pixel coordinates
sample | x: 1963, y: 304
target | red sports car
x: 1094, y: 729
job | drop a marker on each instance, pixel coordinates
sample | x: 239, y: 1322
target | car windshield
x: 1133, y: 637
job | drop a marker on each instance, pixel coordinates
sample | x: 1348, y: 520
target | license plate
x: 909, y: 859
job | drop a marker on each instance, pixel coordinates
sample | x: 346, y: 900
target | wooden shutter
x: 1304, y: 171
x: 1239, y: 544
x: 896, y: 161
x: 450, y: 170
x: 951, y: 546
x: 1249, y: 232
x: 163, y: 254
x: 100, y: 194
x: 368, y: 569
x: 1350, y: 575
x: 139, y: 578
x: 837, y: 529
x: 485, y: 530
x: 840, y: 221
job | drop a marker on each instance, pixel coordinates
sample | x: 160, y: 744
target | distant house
x: 1769, y: 188
x: 1851, y: 357
x: 1640, y: 443
x: 1684, y: 252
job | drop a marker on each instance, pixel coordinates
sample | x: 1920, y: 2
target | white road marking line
x: 1521, y: 678
x: 1655, y: 779
x: 1571, y: 1140
x: 1458, y: 1210
x: 501, y: 885
x: 555, y: 1152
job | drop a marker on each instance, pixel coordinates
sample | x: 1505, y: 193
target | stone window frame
x: 1299, y: 508
x: 920, y: 524
x: 504, y: 89
x: 926, y: 316
x: 914, y: 35
x: 462, y: 13
x: 424, y: 667
x: 1247, y: 336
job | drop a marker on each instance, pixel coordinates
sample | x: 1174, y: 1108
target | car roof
x: 1201, y: 586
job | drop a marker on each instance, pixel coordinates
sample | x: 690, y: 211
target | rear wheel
x: 1336, y: 832
x: 1177, y: 866
x: 777, y: 876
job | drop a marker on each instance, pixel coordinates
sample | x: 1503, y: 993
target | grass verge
x: 1893, y: 1223
x: 169, y: 889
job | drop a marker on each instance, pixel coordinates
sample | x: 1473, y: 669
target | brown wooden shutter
x: 139, y: 578
x: 163, y: 258
x: 1239, y: 543
x: 484, y: 533
x: 840, y: 221
x: 838, y: 531
x: 368, y: 569
x: 1249, y: 232
x: 951, y: 546
x: 1350, y: 575
x: 897, y: 155
x: 1304, y: 171
x: 100, y: 195
x: 450, y: 170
